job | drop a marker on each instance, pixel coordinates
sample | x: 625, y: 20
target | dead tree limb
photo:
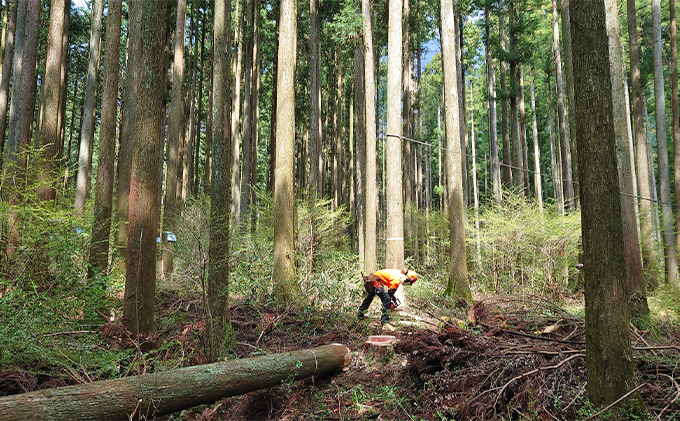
x: 173, y: 390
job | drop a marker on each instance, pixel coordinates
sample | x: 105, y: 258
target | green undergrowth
x: 48, y: 325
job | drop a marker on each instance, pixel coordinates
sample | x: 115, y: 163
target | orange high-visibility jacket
x: 391, y: 278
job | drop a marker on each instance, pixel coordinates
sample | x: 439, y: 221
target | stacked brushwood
x: 525, y: 356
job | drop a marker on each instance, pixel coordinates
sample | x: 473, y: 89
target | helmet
x: 411, y: 277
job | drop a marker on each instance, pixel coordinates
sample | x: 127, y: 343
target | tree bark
x: 20, y: 112
x: 7, y: 62
x: 371, y: 193
x: 50, y: 105
x: 314, y: 96
x: 87, y: 131
x: 505, y: 117
x: 555, y: 159
x: 671, y: 258
x: 103, y: 200
x: 458, y: 275
x: 126, y: 148
x: 165, y: 392
x: 523, y: 153
x: 360, y: 109
x: 286, y: 288
x: 23, y: 93
x: 538, y: 192
x: 569, y: 83
x: 394, y: 249
x: 515, y: 141
x: 491, y: 113
x: 190, y: 138
x: 249, y: 76
x: 635, y: 283
x: 408, y: 149
x: 650, y: 259
x: 675, y: 112
x: 238, y: 72
x: 221, y: 339
x: 563, y: 129
x: 140, y: 270
x: 175, y: 139
x: 609, y: 360
x: 255, y: 114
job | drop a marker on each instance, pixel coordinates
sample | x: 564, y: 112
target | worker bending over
x: 385, y: 283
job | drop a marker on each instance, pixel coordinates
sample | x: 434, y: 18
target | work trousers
x: 385, y: 298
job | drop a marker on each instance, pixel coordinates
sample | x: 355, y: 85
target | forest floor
x: 503, y: 358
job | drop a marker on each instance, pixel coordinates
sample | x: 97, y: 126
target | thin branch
x: 71, y: 332
x: 529, y: 373
x: 677, y: 395
x: 608, y: 407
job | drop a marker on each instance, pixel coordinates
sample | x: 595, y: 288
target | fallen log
x: 170, y: 391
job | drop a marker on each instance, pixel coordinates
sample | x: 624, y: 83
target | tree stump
x: 381, y: 347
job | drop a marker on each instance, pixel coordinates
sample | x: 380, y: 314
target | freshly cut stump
x: 381, y: 347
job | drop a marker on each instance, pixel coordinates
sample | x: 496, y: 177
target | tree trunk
x: 103, y: 200
x: 200, y: 52
x: 360, y: 109
x: 247, y: 136
x: 609, y: 360
x: 491, y: 114
x: 286, y: 288
x: 654, y: 194
x: 314, y: 96
x: 408, y: 149
x: 20, y: 113
x: 650, y: 259
x: 523, y: 155
x: 475, y: 187
x: 675, y: 111
x: 537, y: 150
x: 221, y: 337
x: 555, y: 159
x: 207, y: 169
x: 458, y: 275
x: 272, y: 128
x: 515, y: 142
x: 140, y: 270
x: 255, y: 114
x: 505, y: 123
x: 125, y: 151
x: 191, y: 138
x: 371, y: 194
x: 7, y: 62
x: 87, y: 132
x: 165, y: 392
x: 569, y: 82
x: 23, y: 93
x: 334, y: 105
x: 563, y: 129
x: 458, y: 21
x: 175, y: 139
x: 50, y: 105
x: 206, y: 76
x: 61, y: 122
x: 238, y: 71
x: 671, y: 259
x: 635, y: 283
x: 394, y: 203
